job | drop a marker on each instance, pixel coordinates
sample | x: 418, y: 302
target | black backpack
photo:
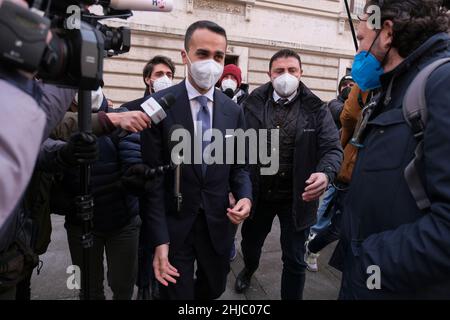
x: 415, y: 113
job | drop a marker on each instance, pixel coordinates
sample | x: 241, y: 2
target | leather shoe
x: 243, y: 280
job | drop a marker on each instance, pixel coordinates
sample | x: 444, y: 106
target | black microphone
x: 155, y: 110
x: 178, y: 162
x: 229, y: 92
x: 152, y: 173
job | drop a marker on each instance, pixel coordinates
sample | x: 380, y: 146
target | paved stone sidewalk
x: 323, y: 285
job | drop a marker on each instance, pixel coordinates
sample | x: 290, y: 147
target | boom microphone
x: 140, y: 5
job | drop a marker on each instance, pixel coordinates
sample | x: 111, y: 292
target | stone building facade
x: 256, y: 29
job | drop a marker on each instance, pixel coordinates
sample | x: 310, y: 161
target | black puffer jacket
x: 113, y: 207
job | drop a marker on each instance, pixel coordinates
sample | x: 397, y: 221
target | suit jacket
x: 164, y: 224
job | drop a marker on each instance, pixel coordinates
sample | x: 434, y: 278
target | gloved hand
x: 136, y: 180
x: 80, y: 149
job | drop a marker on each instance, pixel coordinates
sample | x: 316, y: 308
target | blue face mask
x: 366, y: 71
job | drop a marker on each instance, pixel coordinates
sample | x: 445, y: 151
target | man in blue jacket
x: 391, y: 248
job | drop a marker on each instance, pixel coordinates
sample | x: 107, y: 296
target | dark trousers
x: 254, y: 233
x: 121, y: 248
x: 212, y: 268
x: 8, y: 293
x: 145, y: 262
x: 332, y: 232
x: 23, y: 289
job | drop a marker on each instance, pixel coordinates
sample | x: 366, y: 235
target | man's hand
x: 240, y: 211
x: 164, y: 271
x: 131, y: 121
x: 317, y: 184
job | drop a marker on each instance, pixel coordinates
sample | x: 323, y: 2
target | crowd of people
x: 375, y: 159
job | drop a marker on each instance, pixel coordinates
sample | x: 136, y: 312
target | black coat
x: 336, y: 106
x: 382, y: 225
x: 162, y: 222
x: 317, y: 146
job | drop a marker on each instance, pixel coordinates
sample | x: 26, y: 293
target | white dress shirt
x: 277, y: 97
x: 195, y: 105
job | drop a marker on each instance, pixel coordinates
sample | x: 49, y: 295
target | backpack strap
x: 415, y: 114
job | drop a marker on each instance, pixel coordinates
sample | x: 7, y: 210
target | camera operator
x: 33, y: 109
x: 115, y: 217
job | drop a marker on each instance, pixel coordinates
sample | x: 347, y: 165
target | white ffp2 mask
x: 229, y: 84
x: 286, y: 84
x: 206, y: 73
x: 162, y: 83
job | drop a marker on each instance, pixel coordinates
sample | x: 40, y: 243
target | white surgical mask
x: 285, y: 85
x: 96, y: 101
x: 162, y: 83
x: 206, y: 73
x: 229, y: 84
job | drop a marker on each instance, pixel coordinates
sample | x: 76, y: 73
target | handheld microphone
x: 141, y: 5
x: 155, y: 109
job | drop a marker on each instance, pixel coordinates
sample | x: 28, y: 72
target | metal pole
x: 352, y: 26
x: 85, y: 202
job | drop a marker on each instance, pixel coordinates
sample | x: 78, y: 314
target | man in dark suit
x: 201, y: 231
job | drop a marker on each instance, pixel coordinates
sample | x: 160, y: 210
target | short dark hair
x: 203, y: 24
x: 285, y: 53
x: 148, y: 69
x: 415, y: 21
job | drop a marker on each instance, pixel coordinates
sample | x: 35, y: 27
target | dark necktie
x: 204, y: 118
x: 281, y: 102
